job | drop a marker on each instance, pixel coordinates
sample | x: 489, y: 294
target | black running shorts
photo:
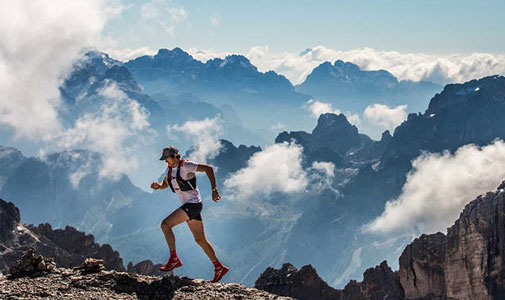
x: 193, y: 210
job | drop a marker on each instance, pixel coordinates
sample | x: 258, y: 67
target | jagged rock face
x: 422, y: 267
x: 288, y: 281
x: 81, y: 245
x: 145, y: 267
x: 31, y: 263
x: 467, y: 263
x: 9, y: 218
x: 90, y: 281
x: 230, y: 158
x: 334, y: 140
x: 337, y: 132
x: 475, y: 264
x: 378, y: 283
x: 462, y: 113
x: 68, y: 247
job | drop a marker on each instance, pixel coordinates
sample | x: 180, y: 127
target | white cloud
x: 317, y: 108
x: 205, y: 55
x: 114, y: 130
x: 327, y: 168
x: 439, y: 186
x: 163, y: 13
x: 385, y: 116
x: 278, y: 168
x: 440, y: 69
x: 204, y: 135
x: 125, y: 54
x: 39, y: 41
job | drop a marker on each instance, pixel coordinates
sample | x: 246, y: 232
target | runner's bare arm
x: 209, y: 170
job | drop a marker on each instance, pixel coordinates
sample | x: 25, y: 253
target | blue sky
x: 435, y: 27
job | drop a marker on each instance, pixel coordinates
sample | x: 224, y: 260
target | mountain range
x: 65, y: 188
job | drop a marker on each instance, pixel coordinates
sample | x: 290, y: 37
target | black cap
x: 168, y: 151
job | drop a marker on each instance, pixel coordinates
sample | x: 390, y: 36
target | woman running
x: 180, y: 177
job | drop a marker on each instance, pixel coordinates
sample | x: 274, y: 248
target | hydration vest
x: 184, y: 185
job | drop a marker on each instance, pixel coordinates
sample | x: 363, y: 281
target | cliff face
x: 468, y: 263
x: 475, y: 265
x: 422, y: 267
x: 69, y: 247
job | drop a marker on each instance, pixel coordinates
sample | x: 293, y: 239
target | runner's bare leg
x: 196, y: 228
x: 175, y: 218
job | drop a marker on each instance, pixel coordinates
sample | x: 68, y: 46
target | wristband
x: 214, y: 189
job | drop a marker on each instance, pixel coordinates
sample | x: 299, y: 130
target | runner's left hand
x: 215, y: 196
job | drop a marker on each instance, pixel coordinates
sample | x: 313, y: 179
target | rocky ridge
x: 91, y: 281
x: 378, y: 283
x: 68, y: 247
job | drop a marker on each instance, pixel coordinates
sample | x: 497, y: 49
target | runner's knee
x: 165, y: 225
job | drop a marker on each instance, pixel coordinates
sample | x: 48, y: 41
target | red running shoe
x: 219, y: 272
x: 171, y: 264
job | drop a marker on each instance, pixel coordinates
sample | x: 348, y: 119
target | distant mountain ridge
x: 175, y: 71
x: 350, y: 88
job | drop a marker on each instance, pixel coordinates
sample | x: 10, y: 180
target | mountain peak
x: 176, y: 52
x: 332, y: 121
x: 490, y: 88
x: 122, y: 76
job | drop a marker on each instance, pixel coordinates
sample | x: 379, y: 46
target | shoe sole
x: 221, y: 275
x: 176, y: 266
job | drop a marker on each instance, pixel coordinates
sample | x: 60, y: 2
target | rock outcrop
x: 90, y: 281
x: 467, y: 263
x: 288, y: 281
x: 334, y: 139
x: 68, y: 247
x: 378, y: 283
x: 422, y: 267
x: 145, y: 267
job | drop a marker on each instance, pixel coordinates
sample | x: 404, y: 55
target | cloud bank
x: 204, y: 135
x: 39, y: 41
x: 278, y: 168
x: 317, y: 108
x: 114, y: 130
x: 385, y: 116
x: 441, y: 69
x: 439, y: 186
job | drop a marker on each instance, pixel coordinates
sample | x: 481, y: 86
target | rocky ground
x: 31, y: 279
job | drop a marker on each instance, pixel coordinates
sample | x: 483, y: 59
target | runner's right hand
x: 155, y: 185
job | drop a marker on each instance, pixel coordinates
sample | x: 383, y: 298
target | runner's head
x: 171, y: 155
